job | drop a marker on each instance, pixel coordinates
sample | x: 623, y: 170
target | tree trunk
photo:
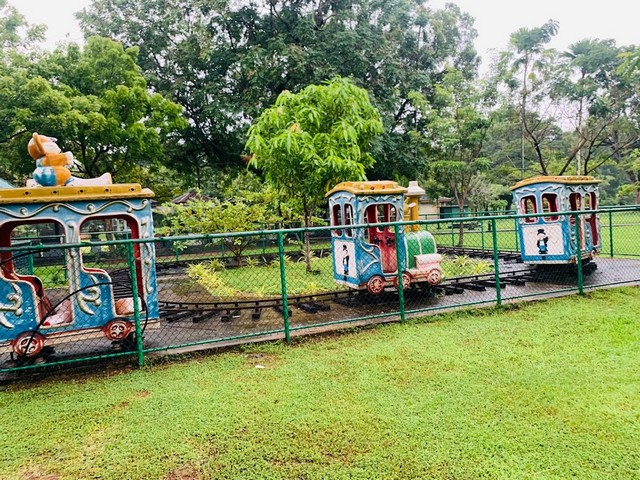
x: 461, y: 229
x: 307, y: 243
x: 307, y: 223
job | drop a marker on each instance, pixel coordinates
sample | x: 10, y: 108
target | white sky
x: 495, y: 19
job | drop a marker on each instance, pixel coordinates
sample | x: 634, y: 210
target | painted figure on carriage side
x: 345, y: 261
x: 542, y: 242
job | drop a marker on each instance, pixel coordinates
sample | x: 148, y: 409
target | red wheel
x: 117, y: 329
x: 28, y: 344
x: 375, y: 285
x: 434, y: 277
x: 406, y: 280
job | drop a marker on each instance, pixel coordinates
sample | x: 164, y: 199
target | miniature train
x: 34, y: 315
x: 29, y: 318
x: 553, y: 239
x: 370, y: 257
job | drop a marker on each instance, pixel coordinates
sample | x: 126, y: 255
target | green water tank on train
x: 418, y: 243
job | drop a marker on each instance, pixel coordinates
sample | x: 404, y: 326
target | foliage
x: 206, y: 275
x: 225, y: 62
x: 459, y: 130
x: 217, y: 216
x: 16, y: 34
x: 462, y: 266
x: 95, y: 101
x: 312, y: 140
x: 264, y: 280
x: 525, y: 70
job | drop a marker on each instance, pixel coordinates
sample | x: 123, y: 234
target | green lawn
x: 546, y: 391
x: 265, y: 280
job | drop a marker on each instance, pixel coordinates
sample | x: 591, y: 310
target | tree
x: 225, y: 62
x: 459, y: 129
x: 525, y: 69
x: 15, y: 31
x: 313, y: 139
x: 213, y: 216
x: 95, y: 101
x: 596, y: 96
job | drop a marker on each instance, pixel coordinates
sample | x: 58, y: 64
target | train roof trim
x: 57, y: 194
x: 368, y: 188
x: 565, y: 179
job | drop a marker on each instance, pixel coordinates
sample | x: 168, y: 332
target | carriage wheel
x: 434, y: 277
x: 375, y: 285
x: 117, y: 329
x: 406, y: 280
x: 28, y: 344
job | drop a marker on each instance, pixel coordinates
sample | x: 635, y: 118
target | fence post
x: 397, y: 228
x: 482, y: 234
x: 515, y: 230
x: 136, y: 301
x: 610, y: 233
x: 576, y: 217
x: 496, y: 262
x: 283, y: 283
x: 453, y: 238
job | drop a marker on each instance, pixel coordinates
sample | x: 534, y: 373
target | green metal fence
x: 227, y: 289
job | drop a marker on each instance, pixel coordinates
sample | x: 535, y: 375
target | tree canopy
x: 311, y: 140
x: 95, y: 101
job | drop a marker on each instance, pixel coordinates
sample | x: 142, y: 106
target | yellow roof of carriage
x: 368, y: 188
x: 565, y: 179
x: 62, y: 194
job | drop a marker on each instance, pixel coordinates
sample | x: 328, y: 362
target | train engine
x: 370, y: 257
x: 553, y: 239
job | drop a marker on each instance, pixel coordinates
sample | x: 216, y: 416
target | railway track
x: 319, y: 302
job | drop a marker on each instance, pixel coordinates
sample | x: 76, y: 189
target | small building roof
x: 565, y: 179
x: 191, y: 195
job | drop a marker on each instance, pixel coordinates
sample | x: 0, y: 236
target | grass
x: 549, y: 390
x: 265, y: 280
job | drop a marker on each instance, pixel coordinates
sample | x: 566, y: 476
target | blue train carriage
x: 33, y: 316
x: 552, y: 239
x: 367, y: 257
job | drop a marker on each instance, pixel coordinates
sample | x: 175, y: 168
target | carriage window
x: 575, y: 201
x: 575, y: 204
x: 337, y: 218
x: 528, y: 206
x: 382, y: 215
x: 386, y: 213
x: 348, y: 219
x: 550, y: 205
x: 393, y: 214
x: 590, y: 202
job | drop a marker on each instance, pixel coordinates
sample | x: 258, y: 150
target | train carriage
x: 31, y: 316
x: 552, y: 239
x: 368, y: 257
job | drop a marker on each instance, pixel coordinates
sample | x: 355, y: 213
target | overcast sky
x: 495, y: 19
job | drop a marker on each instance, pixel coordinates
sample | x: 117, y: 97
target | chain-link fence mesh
x: 67, y: 303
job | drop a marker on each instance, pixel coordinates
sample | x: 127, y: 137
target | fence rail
x: 231, y: 288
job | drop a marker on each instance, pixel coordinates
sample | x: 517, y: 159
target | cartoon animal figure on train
x: 52, y: 165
